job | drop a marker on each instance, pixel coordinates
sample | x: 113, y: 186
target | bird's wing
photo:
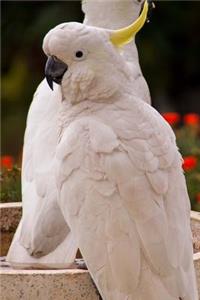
x: 130, y: 220
x: 43, y: 228
x: 104, y: 232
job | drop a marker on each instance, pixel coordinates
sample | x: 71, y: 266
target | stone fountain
x: 73, y: 284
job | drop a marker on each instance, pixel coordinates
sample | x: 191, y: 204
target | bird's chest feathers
x: 84, y: 83
x: 125, y: 122
x: 76, y: 85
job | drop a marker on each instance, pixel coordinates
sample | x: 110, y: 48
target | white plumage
x: 42, y: 227
x: 42, y: 133
x: 114, y: 14
x: 119, y: 177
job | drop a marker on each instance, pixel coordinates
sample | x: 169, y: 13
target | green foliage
x: 193, y: 183
x: 188, y: 141
x: 10, y: 185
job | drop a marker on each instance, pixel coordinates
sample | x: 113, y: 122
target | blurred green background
x: 169, y: 49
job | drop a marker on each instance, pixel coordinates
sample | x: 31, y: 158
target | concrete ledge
x: 195, y: 215
x: 47, y: 285
x: 10, y: 215
x: 73, y: 284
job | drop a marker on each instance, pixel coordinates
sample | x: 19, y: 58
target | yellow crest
x: 125, y: 35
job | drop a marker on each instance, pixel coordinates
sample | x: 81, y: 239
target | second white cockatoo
x: 50, y: 243
x: 114, y: 14
x: 119, y: 179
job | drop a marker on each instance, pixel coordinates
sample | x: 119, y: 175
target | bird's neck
x: 111, y: 14
x: 70, y: 113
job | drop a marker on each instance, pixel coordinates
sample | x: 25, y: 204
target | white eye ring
x: 80, y: 54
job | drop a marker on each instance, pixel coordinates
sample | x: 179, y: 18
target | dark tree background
x: 169, y: 49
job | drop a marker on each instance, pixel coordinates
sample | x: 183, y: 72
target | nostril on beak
x: 54, y: 70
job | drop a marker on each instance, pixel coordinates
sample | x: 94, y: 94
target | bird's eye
x: 80, y: 54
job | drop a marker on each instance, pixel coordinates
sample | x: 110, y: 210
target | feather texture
x: 131, y: 222
x: 42, y: 228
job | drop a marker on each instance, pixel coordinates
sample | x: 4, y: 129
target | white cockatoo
x: 50, y: 243
x: 119, y: 177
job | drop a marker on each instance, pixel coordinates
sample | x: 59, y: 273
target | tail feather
x: 62, y: 257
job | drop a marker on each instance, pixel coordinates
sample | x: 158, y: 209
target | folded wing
x: 130, y: 211
x: 43, y: 230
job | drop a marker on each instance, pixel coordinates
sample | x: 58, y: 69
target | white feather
x: 42, y: 227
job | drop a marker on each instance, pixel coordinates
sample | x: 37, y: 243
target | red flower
x: 191, y: 119
x: 7, y: 162
x: 171, y: 117
x: 198, y: 198
x: 189, y: 163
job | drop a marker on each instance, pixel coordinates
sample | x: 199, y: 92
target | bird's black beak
x: 54, y: 70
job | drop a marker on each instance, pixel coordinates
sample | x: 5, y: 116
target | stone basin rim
x: 74, y: 277
x: 50, y: 272
x: 194, y: 215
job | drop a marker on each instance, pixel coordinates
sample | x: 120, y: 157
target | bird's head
x: 86, y: 60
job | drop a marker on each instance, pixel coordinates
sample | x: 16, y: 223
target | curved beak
x: 54, y: 70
